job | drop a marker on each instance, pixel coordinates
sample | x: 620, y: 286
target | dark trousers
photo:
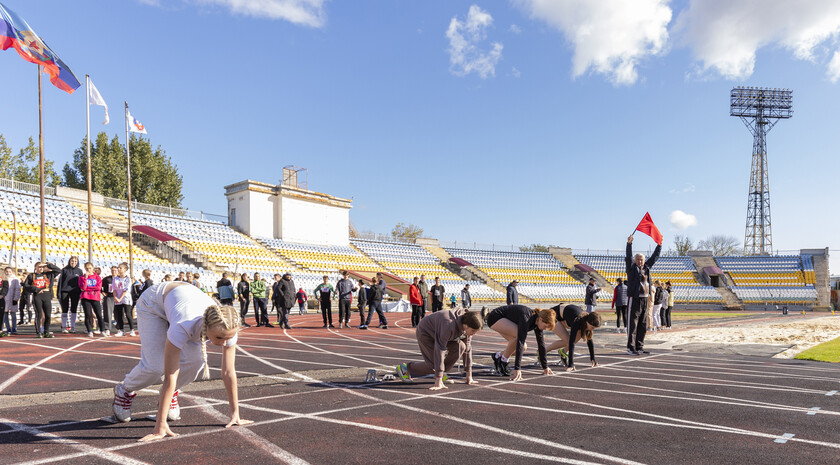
x: 226, y: 301
x: 108, y: 313
x: 361, y: 313
x: 666, y: 317
x: 620, y: 315
x: 637, y: 323
x: 326, y: 311
x: 416, y: 315
x: 243, y: 308
x: 93, y: 309
x: 25, y: 306
x: 377, y: 307
x: 260, y: 311
x: 344, y: 310
x: 123, y: 314
x: 69, y: 302
x: 43, y: 309
x: 283, y: 316
x: 437, y: 305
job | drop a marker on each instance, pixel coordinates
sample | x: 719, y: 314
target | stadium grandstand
x: 782, y: 279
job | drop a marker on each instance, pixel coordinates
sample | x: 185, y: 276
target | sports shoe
x: 174, y: 409
x: 331, y: 326
x: 446, y: 379
x: 268, y: 325
x: 383, y: 327
x: 246, y: 325
x: 106, y: 333
x: 48, y: 335
x: 402, y: 372
x: 632, y: 352
x: 497, y: 363
x: 362, y: 326
x: 643, y: 351
x: 90, y: 334
x: 122, y: 403
x: 564, y: 357
x: 65, y: 331
x: 132, y: 333
x: 97, y: 332
x: 3, y: 334
x: 287, y: 327
x: 119, y: 334
x: 40, y: 335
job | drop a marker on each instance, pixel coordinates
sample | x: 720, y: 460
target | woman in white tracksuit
x: 175, y: 321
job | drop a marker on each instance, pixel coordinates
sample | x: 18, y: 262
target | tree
x: 154, y: 178
x: 534, y: 248
x: 720, y: 245
x: 25, y: 167
x: 408, y: 232
x: 683, y: 244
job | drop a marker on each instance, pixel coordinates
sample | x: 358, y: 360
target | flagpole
x: 41, y: 168
x: 128, y: 173
x: 90, y: 220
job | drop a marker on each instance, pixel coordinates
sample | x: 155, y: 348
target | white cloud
x: 724, y: 35
x: 464, y: 55
x: 514, y: 29
x: 609, y: 37
x: 516, y: 73
x: 304, y: 12
x: 688, y: 188
x: 834, y: 68
x: 682, y: 220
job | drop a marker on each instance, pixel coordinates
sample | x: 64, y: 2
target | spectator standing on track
x: 277, y: 297
x: 438, y: 294
x: 592, y: 291
x: 225, y: 289
x: 375, y: 304
x: 452, y: 301
x: 4, y: 291
x: 177, y: 321
x: 40, y: 285
x: 638, y: 293
x: 667, y: 317
x: 258, y: 291
x: 514, y: 322
x: 326, y: 293
x: 345, y: 289
x: 416, y: 302
x: 443, y: 338
x: 512, y: 293
x: 466, y: 299
x: 243, y: 293
x: 424, y: 294
x: 108, y: 300
x: 69, y: 294
x: 572, y: 325
x: 362, y: 302
x: 619, y: 302
x: 91, y: 285
x: 301, y: 300
x: 122, y: 301
x: 659, y: 296
x: 12, y: 300
x: 25, y: 303
x: 287, y: 289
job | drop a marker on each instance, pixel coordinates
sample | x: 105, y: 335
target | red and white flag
x: 646, y: 226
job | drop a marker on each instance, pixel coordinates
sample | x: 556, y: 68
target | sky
x: 506, y: 122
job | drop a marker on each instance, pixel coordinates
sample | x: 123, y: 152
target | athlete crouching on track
x: 514, y: 322
x: 176, y: 320
x: 443, y: 337
x: 573, y: 324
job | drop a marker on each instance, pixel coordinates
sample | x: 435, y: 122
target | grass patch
x: 825, y: 352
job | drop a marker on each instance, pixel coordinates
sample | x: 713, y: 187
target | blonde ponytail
x: 224, y: 316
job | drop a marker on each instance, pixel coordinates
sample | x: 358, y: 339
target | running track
x: 304, y: 390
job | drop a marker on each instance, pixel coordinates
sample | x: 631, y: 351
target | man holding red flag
x: 639, y: 287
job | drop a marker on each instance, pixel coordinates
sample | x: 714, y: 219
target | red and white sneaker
x: 122, y: 403
x: 174, y: 408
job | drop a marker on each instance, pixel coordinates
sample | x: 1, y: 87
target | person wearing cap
x: 512, y: 293
x: 591, y: 299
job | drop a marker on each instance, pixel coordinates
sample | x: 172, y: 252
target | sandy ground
x: 802, y: 334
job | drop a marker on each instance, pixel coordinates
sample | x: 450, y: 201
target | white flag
x: 96, y: 99
x: 134, y: 125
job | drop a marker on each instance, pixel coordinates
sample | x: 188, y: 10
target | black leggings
x: 123, y: 314
x: 666, y: 317
x: 416, y: 315
x: 25, y: 305
x: 69, y: 302
x: 43, y: 309
x: 326, y: 311
x: 620, y: 315
x: 96, y: 307
x: 243, y: 308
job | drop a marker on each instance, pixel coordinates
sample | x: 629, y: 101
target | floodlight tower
x: 760, y: 108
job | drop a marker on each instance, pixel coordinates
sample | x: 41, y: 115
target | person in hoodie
x: 12, y: 299
x: 91, y: 285
x: 69, y: 294
x: 345, y: 289
x: 40, y: 285
x: 325, y: 293
x: 4, y: 290
x: 225, y: 289
x: 301, y: 300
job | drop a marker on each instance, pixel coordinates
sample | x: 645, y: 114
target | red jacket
x: 414, y: 295
x: 91, y: 286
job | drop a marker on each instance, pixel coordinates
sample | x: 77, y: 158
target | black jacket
x: 68, y: 281
x: 635, y: 274
x: 375, y: 294
x: 243, y: 289
x: 36, y: 282
x: 591, y: 294
x: 287, y: 293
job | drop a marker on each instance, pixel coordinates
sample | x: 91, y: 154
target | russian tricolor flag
x: 15, y: 32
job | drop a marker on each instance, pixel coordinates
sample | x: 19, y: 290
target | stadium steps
x: 294, y: 264
x: 569, y: 261
x: 470, y: 272
x: 730, y: 299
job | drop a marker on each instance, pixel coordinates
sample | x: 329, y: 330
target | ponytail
x: 594, y: 320
x: 224, y: 316
x: 547, y: 316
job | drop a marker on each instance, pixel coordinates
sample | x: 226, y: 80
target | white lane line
x: 368, y: 362
x: 263, y: 444
x: 738, y: 372
x: 26, y: 370
x: 371, y: 343
x: 87, y: 449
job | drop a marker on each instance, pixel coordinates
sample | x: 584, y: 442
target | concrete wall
x: 311, y: 222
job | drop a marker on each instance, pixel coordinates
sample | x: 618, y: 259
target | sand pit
x: 801, y: 333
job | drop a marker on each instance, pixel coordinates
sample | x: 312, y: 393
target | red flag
x: 646, y: 226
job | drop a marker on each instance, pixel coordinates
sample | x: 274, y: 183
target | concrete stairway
x: 295, y: 264
x: 730, y: 299
x: 564, y: 256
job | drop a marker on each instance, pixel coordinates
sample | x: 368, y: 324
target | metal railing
x: 140, y: 207
x: 25, y: 187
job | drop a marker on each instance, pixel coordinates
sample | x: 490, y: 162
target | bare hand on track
x: 548, y: 371
x: 237, y: 421
x: 516, y: 375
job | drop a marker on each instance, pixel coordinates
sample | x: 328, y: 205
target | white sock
x: 63, y: 320
x: 73, y: 321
